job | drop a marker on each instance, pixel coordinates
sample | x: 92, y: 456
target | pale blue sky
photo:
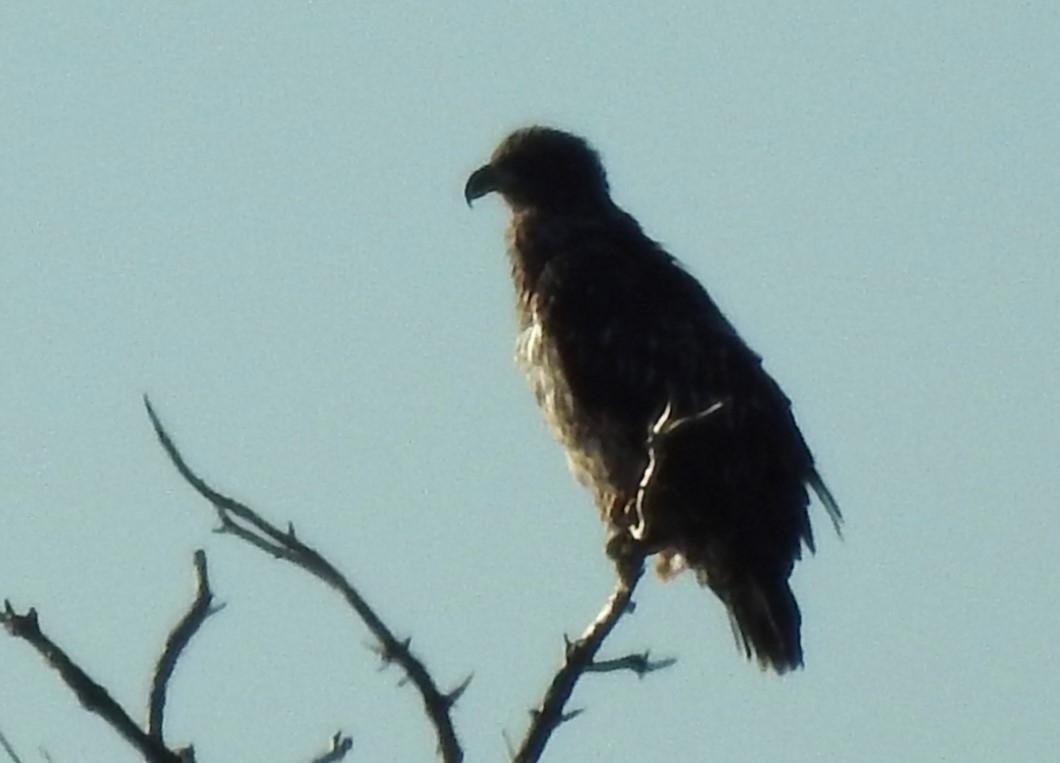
x: 253, y: 211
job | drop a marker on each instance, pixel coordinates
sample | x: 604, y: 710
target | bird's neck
x: 534, y: 239
x: 537, y: 237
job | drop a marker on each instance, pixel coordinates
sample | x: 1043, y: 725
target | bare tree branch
x: 92, y: 696
x: 243, y: 522
x: 178, y: 639
x: 9, y: 749
x: 578, y: 659
x: 628, y: 550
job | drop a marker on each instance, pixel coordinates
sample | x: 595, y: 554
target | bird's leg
x: 635, y: 507
x: 628, y: 537
x: 622, y: 542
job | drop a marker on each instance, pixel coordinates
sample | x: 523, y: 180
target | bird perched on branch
x: 688, y: 445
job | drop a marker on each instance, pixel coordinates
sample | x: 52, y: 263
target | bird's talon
x: 622, y: 546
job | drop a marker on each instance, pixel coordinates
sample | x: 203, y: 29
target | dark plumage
x: 616, y: 339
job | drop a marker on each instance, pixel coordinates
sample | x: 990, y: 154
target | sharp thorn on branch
x: 569, y: 647
x: 570, y: 715
x: 390, y: 652
x: 455, y: 694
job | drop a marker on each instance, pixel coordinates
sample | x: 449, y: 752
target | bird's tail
x: 825, y: 495
x: 765, y: 620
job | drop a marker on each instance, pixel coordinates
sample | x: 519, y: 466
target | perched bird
x: 688, y: 445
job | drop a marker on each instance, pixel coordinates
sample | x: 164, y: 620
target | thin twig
x: 92, y: 696
x: 242, y: 521
x: 641, y: 664
x: 340, y: 744
x: 178, y: 639
x: 9, y: 749
x: 550, y: 714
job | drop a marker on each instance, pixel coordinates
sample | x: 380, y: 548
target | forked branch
x: 93, y: 696
x: 578, y: 659
x: 628, y: 551
x: 178, y: 639
x: 240, y: 520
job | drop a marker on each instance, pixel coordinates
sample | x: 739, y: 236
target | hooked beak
x: 484, y: 180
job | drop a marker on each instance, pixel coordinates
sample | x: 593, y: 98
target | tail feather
x: 766, y: 620
x: 825, y: 495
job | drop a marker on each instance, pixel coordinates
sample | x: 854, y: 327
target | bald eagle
x: 620, y: 344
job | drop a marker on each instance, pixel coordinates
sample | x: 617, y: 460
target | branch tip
x: 455, y: 694
x: 570, y: 715
x: 338, y: 746
x: 176, y: 642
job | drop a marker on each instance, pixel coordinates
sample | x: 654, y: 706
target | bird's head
x: 544, y: 168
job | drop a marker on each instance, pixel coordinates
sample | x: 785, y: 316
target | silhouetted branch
x: 578, y: 659
x: 340, y: 745
x: 9, y: 749
x: 175, y: 644
x: 92, y: 696
x: 96, y: 699
x: 242, y: 521
x: 628, y: 549
x: 641, y: 664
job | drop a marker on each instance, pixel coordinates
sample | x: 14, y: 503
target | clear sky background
x: 253, y: 211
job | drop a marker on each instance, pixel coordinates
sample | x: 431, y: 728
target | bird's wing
x: 634, y: 332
